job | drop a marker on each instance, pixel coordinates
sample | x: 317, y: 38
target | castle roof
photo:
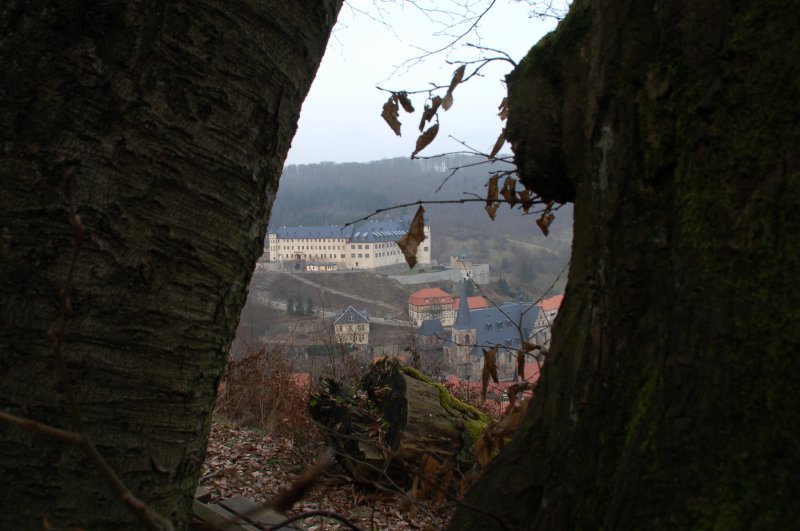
x: 368, y: 232
x: 307, y: 233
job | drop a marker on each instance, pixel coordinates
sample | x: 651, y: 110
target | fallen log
x: 399, y: 429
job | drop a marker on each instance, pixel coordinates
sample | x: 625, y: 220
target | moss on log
x: 396, y: 421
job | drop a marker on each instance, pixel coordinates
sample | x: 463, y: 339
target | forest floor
x: 257, y: 465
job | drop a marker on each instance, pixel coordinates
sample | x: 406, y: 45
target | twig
x: 32, y: 425
x: 428, y: 202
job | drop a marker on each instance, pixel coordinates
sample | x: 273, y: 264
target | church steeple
x: 463, y: 320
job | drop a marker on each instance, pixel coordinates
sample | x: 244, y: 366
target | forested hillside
x: 329, y: 193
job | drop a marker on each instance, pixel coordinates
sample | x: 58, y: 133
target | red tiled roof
x: 553, y: 303
x: 418, y: 297
x: 475, y: 303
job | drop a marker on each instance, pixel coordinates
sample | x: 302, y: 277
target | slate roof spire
x: 463, y: 319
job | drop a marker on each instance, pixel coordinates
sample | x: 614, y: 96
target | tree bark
x: 670, y: 397
x: 171, y: 121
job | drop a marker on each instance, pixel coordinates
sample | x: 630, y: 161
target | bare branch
x: 32, y: 425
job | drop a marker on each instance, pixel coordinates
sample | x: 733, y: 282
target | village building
x: 476, y: 330
x: 321, y: 266
x: 352, y: 327
x: 548, y: 310
x: 431, y: 337
x: 369, y: 245
x: 431, y: 303
x: 435, y: 303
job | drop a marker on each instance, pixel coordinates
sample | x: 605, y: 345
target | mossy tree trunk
x: 172, y: 121
x: 403, y: 423
x: 670, y: 397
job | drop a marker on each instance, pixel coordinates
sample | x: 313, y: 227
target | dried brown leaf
x: 513, y: 391
x: 526, y: 198
x: 509, y: 424
x: 545, y: 220
x: 489, y: 369
x: 405, y: 101
x: 390, y: 113
x: 458, y: 75
x: 486, y: 448
x: 527, y: 346
x: 425, y: 139
x: 447, y: 102
x: 503, y: 108
x: 431, y: 480
x: 498, y: 144
x: 509, y: 191
x: 297, y: 490
x: 491, y: 209
x: 416, y: 234
x: 430, y: 111
x: 520, y: 366
x: 492, y: 194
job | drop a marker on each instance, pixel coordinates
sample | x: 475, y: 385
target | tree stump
x: 399, y: 429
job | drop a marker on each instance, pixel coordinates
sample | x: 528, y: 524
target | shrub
x: 260, y: 389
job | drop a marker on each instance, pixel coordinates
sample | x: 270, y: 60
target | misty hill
x: 338, y: 193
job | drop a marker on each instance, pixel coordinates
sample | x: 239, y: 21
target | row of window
x: 499, y: 324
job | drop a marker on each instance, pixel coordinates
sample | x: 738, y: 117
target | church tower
x: 464, y: 337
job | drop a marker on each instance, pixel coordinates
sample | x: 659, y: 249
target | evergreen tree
x: 290, y: 306
x: 309, y: 310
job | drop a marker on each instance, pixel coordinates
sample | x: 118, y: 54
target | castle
x: 369, y: 245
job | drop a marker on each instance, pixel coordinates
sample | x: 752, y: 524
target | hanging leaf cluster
x: 415, y: 235
x: 511, y: 196
x: 546, y: 219
x: 430, y: 111
x: 501, y: 140
x: 391, y: 110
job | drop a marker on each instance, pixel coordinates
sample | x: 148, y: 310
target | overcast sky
x: 341, y: 120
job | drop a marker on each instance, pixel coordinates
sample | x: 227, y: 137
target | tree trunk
x: 171, y: 121
x: 670, y: 397
x: 405, y: 428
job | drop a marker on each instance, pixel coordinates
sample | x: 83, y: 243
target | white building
x: 369, y: 245
x: 352, y: 327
